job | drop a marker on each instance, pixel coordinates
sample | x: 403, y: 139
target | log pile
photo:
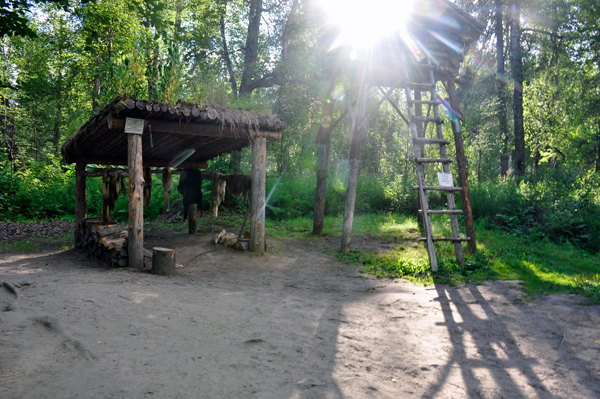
x: 105, y: 242
x: 232, y: 240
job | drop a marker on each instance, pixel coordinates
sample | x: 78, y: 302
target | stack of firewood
x: 232, y: 240
x: 106, y: 242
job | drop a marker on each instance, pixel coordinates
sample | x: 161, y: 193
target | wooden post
x: 257, y: 197
x: 80, y: 190
x: 357, y: 139
x: 192, y: 215
x: 135, y: 244
x: 461, y: 163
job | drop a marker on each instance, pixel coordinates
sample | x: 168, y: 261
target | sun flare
x: 362, y: 23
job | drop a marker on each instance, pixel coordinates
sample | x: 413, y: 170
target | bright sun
x: 364, y: 22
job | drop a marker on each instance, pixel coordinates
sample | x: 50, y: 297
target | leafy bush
x: 560, y: 207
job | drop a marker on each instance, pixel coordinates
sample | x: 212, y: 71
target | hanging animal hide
x: 217, y: 193
x: 110, y: 193
x: 147, y: 185
x: 190, y: 186
x: 239, y: 185
x: 167, y: 183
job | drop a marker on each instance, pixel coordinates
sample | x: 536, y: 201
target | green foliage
x: 560, y: 206
x: 17, y: 246
x: 44, y: 190
x: 587, y: 285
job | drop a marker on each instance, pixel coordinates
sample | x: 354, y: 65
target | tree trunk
x: 598, y: 152
x: 285, y: 36
x: 257, y: 197
x: 177, y: 25
x: 251, y: 49
x: 323, y: 141
x: 355, y: 145
x: 501, y: 90
x: 226, y: 57
x: 58, y: 118
x: 517, y: 72
x: 461, y: 163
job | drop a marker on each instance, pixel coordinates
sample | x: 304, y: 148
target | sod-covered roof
x: 171, y: 133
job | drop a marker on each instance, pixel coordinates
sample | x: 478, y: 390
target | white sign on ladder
x: 445, y: 179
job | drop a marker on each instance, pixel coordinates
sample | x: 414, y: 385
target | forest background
x: 534, y: 171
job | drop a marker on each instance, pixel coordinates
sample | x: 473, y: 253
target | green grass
x: 18, y: 246
x: 543, y: 267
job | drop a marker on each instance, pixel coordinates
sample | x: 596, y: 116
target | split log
x: 163, y: 261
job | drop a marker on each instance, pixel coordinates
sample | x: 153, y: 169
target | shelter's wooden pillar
x: 257, y: 196
x: 135, y: 242
x: 461, y: 163
x: 80, y: 190
x: 358, y: 133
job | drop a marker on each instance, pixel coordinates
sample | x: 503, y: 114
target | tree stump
x: 163, y: 261
x: 192, y: 215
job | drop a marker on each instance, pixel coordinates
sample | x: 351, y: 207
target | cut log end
x: 163, y: 261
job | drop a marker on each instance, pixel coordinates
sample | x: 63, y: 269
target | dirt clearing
x: 294, y: 323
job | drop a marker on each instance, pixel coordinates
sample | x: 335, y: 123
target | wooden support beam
x: 257, y: 196
x: 461, y: 162
x: 355, y: 146
x: 197, y: 129
x: 80, y: 190
x: 135, y: 245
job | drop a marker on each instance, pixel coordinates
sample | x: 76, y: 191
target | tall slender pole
x: 135, y: 241
x: 257, y: 196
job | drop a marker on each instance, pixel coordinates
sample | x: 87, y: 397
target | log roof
x: 171, y: 132
x: 438, y: 28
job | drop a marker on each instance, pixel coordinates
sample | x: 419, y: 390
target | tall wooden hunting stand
x: 429, y: 50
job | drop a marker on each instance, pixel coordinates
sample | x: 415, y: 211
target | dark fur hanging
x: 217, y: 193
x: 147, y: 185
x: 110, y: 189
x: 239, y: 185
x: 123, y: 187
x: 190, y: 185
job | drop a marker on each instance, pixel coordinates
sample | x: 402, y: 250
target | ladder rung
x: 426, y: 102
x: 443, y: 212
x: 432, y: 141
x: 431, y: 160
x: 446, y: 239
x: 419, y: 86
x: 438, y: 188
x: 426, y: 119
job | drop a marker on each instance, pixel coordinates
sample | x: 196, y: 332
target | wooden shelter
x: 428, y: 48
x: 141, y: 134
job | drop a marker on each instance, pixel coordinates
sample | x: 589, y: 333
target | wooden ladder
x: 421, y: 160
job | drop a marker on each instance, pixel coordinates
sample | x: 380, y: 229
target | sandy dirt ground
x: 294, y: 323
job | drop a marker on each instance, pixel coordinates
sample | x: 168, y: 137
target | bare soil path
x: 292, y: 324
